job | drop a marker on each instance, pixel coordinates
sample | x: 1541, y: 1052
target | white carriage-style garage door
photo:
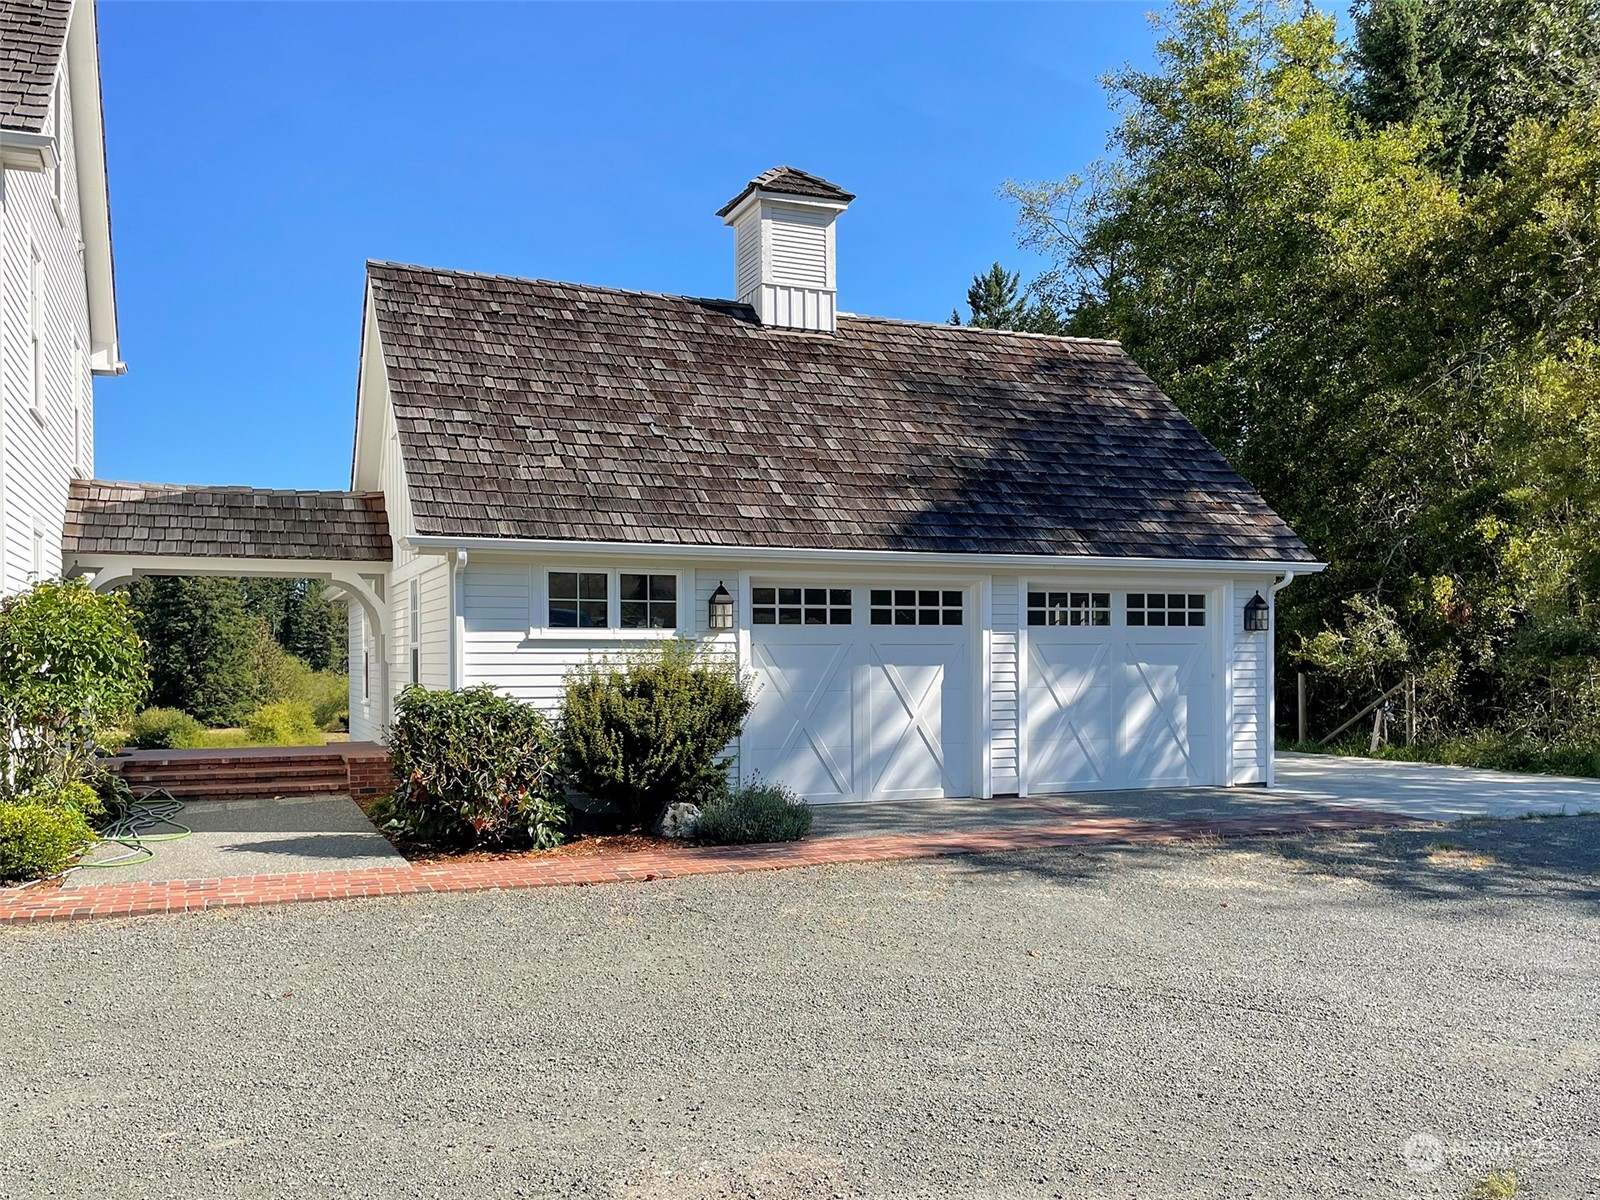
x: 863, y: 693
x: 1121, y: 690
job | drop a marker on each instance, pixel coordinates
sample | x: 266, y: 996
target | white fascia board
x: 22, y: 150
x: 94, y: 197
x: 118, y: 565
x: 736, y: 214
x: 433, y: 544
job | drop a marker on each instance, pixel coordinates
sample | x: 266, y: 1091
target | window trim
x: 539, y: 626
x: 413, y: 629
x: 777, y: 584
x: 35, y: 365
x: 1188, y: 610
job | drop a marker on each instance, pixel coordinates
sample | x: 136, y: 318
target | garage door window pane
x: 1070, y: 608
x: 800, y: 606
x: 1169, y: 609
x: 915, y: 606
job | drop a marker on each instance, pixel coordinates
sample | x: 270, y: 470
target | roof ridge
x: 215, y: 487
x: 981, y: 329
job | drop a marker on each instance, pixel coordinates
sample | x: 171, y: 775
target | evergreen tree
x: 996, y: 301
x: 201, y: 645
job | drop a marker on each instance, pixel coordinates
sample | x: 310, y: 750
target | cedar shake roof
x: 789, y: 182
x: 529, y: 409
x: 32, y: 34
x: 233, y: 522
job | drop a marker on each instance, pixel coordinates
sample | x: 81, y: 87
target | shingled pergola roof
x: 790, y: 181
x: 142, y: 520
x: 536, y: 410
x: 32, y: 35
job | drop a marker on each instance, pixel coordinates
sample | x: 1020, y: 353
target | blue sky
x: 260, y: 153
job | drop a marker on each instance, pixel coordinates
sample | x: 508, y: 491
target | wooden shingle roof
x: 105, y: 518
x: 537, y: 410
x: 32, y: 35
x: 790, y: 181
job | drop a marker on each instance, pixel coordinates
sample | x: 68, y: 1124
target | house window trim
x: 539, y: 627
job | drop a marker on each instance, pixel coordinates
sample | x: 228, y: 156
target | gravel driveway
x: 1250, y: 1018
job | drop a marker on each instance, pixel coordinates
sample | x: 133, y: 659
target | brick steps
x: 354, y: 768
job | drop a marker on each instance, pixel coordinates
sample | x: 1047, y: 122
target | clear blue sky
x: 261, y: 153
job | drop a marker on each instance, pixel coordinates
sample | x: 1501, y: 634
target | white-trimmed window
x: 1069, y: 608
x: 366, y: 673
x: 800, y: 605
x: 414, y: 630
x: 1166, y: 608
x: 612, y: 601
x: 38, y: 552
x: 35, y: 332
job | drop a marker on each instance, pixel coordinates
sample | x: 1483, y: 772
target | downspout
x: 1272, y: 677
x: 458, y: 666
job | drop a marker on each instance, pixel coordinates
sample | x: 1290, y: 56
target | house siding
x: 37, y: 454
x: 1248, y: 675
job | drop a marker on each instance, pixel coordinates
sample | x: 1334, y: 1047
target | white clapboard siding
x: 364, y: 726
x: 39, y: 445
x: 747, y: 254
x: 798, y: 247
x: 392, y: 482
x: 1003, y: 686
x: 433, y: 610
x: 1249, y: 673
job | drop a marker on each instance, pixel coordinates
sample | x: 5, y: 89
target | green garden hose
x: 131, y: 827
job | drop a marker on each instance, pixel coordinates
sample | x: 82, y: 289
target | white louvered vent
x: 747, y: 254
x: 800, y: 248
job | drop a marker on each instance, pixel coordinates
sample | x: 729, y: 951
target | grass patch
x: 1486, y: 750
x: 1496, y: 1185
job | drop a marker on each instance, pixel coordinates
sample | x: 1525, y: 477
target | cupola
x: 783, y: 247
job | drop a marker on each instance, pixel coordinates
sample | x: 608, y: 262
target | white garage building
x: 962, y: 562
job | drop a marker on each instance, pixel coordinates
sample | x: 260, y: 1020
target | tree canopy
x: 1369, y: 272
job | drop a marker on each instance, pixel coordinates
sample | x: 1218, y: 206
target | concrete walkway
x: 251, y: 837
x: 1428, y: 792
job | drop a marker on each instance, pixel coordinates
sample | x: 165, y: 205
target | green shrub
x: 163, y: 729
x: 40, y: 837
x: 757, y: 812
x: 327, y: 693
x: 474, y: 768
x: 284, y: 723
x: 71, y: 665
x: 647, y: 729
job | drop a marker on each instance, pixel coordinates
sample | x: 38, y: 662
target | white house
x: 58, y: 320
x: 955, y: 561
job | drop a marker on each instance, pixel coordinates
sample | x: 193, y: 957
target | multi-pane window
x: 799, y: 606
x: 1166, y: 608
x: 580, y: 600
x: 414, y: 627
x: 915, y: 606
x: 648, y: 601
x: 80, y: 456
x: 1069, y: 608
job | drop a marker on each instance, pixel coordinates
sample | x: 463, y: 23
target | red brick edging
x: 189, y: 895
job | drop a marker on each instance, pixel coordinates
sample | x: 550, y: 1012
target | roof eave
x: 94, y: 195
x: 734, y: 209
x: 436, y: 543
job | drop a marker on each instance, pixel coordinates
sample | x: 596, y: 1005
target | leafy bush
x: 39, y: 839
x: 285, y: 723
x: 42, y: 832
x: 163, y: 729
x: 647, y: 729
x: 70, y: 665
x: 757, y: 812
x: 474, y: 768
x: 327, y: 693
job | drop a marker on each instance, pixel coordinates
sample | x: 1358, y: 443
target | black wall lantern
x: 1256, y: 614
x: 721, y: 616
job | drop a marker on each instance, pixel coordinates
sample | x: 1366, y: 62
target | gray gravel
x: 1241, y: 1019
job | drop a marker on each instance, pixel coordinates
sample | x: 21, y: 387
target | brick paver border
x: 18, y: 906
